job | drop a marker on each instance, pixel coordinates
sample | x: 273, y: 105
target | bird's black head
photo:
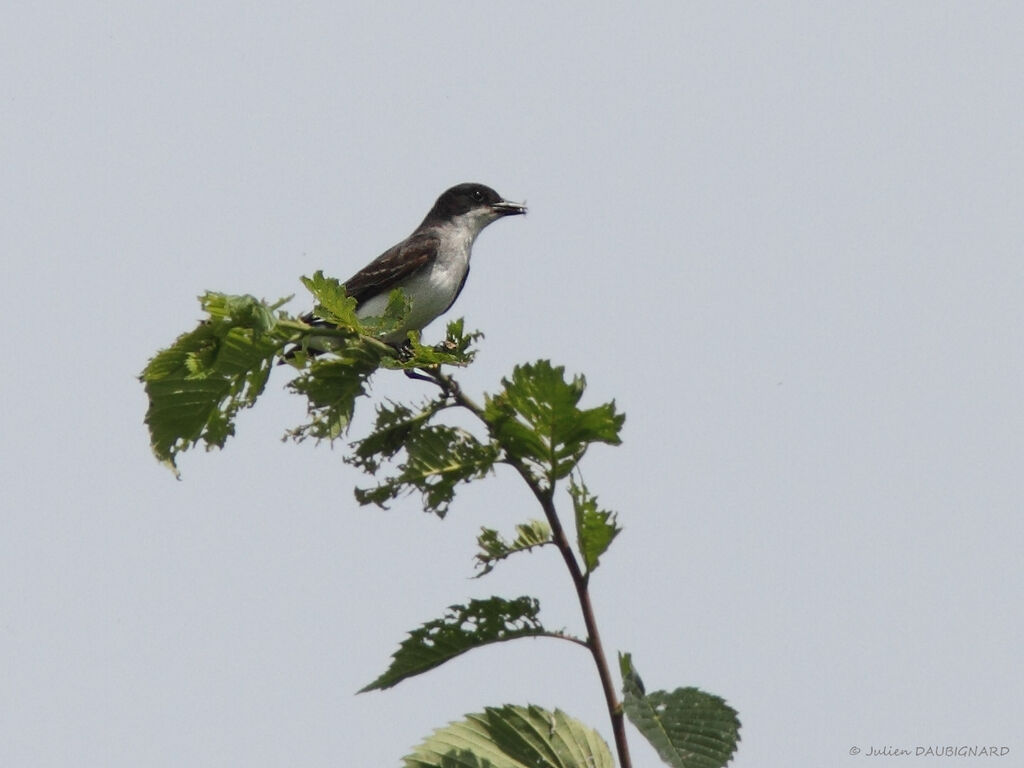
x: 477, y: 198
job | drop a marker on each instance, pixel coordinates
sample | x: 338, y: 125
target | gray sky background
x: 786, y: 237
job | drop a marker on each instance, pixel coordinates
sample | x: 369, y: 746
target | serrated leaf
x: 332, y: 303
x: 513, y: 737
x: 396, y: 312
x: 395, y: 422
x: 688, y: 727
x: 536, y: 419
x: 197, y: 385
x: 332, y: 384
x: 462, y: 628
x: 455, y: 350
x: 437, y: 459
x: 595, y: 528
x: 535, y: 533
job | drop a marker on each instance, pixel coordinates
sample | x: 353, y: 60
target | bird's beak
x: 505, y: 208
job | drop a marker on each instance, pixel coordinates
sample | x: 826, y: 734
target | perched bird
x: 431, y: 265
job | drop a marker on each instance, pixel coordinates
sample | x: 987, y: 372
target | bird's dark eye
x: 478, y: 195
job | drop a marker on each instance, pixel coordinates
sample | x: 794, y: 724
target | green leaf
x: 687, y: 727
x: 513, y: 737
x: 462, y: 628
x: 535, y: 533
x: 536, y: 419
x: 456, y: 350
x: 595, y: 528
x: 396, y: 311
x: 438, y: 457
x: 197, y: 385
x: 395, y: 422
x: 335, y: 306
x: 332, y: 384
x: 332, y: 303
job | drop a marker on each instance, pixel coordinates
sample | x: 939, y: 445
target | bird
x: 431, y: 265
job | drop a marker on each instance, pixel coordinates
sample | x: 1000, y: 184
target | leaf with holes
x: 437, y: 458
x: 395, y: 422
x: 461, y: 629
x: 494, y: 547
x: 332, y: 384
x: 595, y: 528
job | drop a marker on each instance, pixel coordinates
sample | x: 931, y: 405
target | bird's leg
x: 404, y: 353
x: 404, y: 349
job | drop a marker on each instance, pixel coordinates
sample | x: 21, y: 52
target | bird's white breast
x: 431, y: 290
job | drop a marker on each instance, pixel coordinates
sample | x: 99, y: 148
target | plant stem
x: 580, y: 580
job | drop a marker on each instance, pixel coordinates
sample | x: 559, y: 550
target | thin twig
x: 580, y: 579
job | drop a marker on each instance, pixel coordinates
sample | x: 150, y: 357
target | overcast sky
x: 785, y: 237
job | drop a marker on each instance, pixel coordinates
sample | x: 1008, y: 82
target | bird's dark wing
x: 386, y: 270
x: 392, y: 266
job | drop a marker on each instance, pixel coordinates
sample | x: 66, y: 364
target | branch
x: 545, y: 496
